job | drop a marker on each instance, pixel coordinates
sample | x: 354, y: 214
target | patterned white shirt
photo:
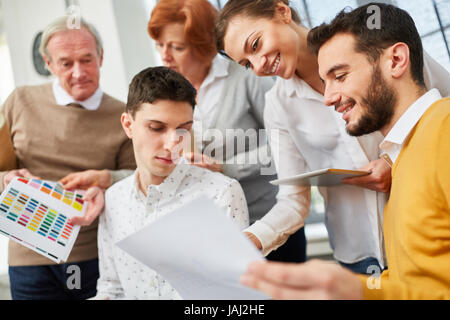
x: 128, y: 210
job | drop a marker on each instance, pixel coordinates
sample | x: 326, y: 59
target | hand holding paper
x: 203, y: 255
x: 95, y: 200
x: 21, y: 173
x: 36, y: 214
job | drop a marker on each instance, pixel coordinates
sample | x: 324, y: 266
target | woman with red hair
x: 228, y: 97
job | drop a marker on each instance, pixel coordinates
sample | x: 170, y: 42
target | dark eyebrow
x: 186, y: 123
x: 246, y: 45
x: 165, y: 124
x: 159, y: 122
x: 336, y: 68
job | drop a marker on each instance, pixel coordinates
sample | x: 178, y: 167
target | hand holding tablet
x: 322, y: 178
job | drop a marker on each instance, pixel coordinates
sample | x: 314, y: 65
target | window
x: 433, y: 22
x: 432, y: 18
x: 218, y: 3
x: 6, y: 79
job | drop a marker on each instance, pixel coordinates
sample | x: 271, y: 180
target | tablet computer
x: 322, y: 178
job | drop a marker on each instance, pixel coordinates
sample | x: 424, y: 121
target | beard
x: 378, y: 104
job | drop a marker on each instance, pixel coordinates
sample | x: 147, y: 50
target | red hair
x: 198, y: 16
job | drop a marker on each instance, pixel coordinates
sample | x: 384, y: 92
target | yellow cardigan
x: 417, y: 217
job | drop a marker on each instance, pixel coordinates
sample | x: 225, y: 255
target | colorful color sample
x: 56, y: 191
x: 42, y: 208
x: 36, y: 216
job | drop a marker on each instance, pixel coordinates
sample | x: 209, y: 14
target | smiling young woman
x: 228, y: 98
x: 267, y: 37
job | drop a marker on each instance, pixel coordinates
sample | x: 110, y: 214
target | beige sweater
x: 7, y: 156
x: 52, y: 141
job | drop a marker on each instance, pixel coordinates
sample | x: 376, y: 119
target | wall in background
x: 121, y: 24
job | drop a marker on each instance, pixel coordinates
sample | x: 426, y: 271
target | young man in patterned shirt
x: 158, y: 116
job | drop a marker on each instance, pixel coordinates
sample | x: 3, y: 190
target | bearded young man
x: 375, y: 79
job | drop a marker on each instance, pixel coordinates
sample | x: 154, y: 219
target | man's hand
x: 95, y: 198
x: 254, y: 239
x: 86, y: 179
x: 202, y: 161
x: 303, y: 281
x: 17, y: 173
x: 378, y: 180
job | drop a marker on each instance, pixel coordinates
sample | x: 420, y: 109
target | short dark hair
x: 250, y: 8
x: 158, y: 83
x: 396, y: 26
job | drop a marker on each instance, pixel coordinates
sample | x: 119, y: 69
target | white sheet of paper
x: 199, y: 250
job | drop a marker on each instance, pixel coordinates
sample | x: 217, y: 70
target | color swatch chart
x: 36, y: 214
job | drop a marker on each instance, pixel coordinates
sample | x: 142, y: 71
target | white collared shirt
x: 63, y: 98
x: 393, y: 143
x: 128, y: 210
x: 209, y: 93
